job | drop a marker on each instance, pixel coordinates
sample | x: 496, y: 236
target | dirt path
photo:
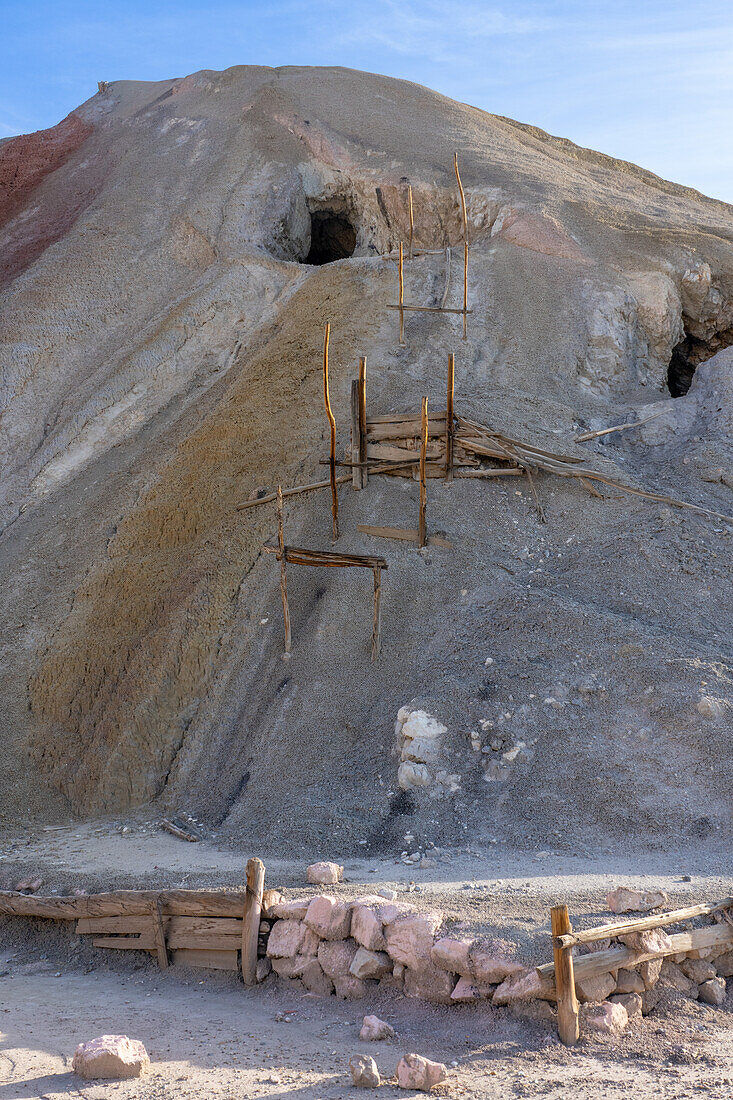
x: 210, y: 1038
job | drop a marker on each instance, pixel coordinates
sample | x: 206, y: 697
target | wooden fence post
x: 161, y: 949
x: 465, y: 246
x: 332, y: 423
x: 251, y: 919
x: 567, y: 1003
x: 422, y: 530
x: 412, y: 222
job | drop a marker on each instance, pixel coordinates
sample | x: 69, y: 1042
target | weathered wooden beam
x: 465, y: 245
x: 412, y: 220
x: 355, y: 437
x: 428, y: 309
x: 449, y: 418
x: 118, y: 903
x: 362, y: 397
x: 401, y: 278
x: 406, y: 534
x: 643, y: 924
x: 156, y: 913
x: 251, y: 914
x: 302, y: 555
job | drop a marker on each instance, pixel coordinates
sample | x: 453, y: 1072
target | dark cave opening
x: 687, y: 356
x: 333, y: 237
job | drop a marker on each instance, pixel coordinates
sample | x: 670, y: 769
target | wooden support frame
x: 251, y: 913
x: 568, y: 1023
x: 332, y: 425
x: 301, y: 555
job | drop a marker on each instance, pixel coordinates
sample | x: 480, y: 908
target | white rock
x: 325, y: 873
x: 712, y: 992
x: 416, y: 1072
x: 710, y: 707
x: 111, y: 1056
x: 410, y: 774
x: 370, y: 964
x: 328, y: 917
x: 286, y: 939
x: 373, y: 1030
x: 608, y: 1018
x: 626, y: 900
x: 364, y: 1072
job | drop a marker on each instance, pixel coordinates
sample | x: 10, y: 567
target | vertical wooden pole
x: 283, y: 569
x: 159, y: 933
x: 332, y: 422
x: 465, y: 246
x: 377, y: 623
x: 449, y: 418
x: 402, y: 297
x: 412, y: 222
x: 567, y: 1003
x: 355, y: 438
x: 422, y: 531
x: 251, y: 919
x: 363, y: 422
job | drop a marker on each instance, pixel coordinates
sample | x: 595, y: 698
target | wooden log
x: 251, y: 916
x: 642, y: 924
x: 106, y: 926
x: 449, y: 418
x: 209, y: 960
x: 446, y: 288
x: 176, y: 830
x: 303, y: 555
x: 402, y: 298
x: 568, y: 1025
x: 332, y: 425
x: 119, y: 903
x: 363, y: 422
x: 509, y: 470
x: 175, y: 927
x: 269, y: 497
x: 422, y: 530
x: 406, y: 534
x: 377, y: 614
x: 156, y: 914
x: 412, y: 222
x: 601, y: 962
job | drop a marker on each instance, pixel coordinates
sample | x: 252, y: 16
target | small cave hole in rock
x: 687, y: 356
x: 333, y: 237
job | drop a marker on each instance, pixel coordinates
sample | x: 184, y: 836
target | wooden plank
x: 210, y: 960
x: 156, y: 916
x: 203, y: 942
x: 146, y: 942
x: 355, y: 437
x: 332, y: 425
x: 422, y: 529
x: 283, y: 568
x: 407, y: 429
x: 251, y: 915
x: 105, y: 926
x: 510, y: 471
x: 407, y: 534
x: 601, y: 962
x: 642, y: 924
x: 389, y: 452
x: 205, y: 926
x: 449, y: 418
x: 303, y: 556
x: 120, y: 903
x: 568, y: 1024
x: 362, y: 395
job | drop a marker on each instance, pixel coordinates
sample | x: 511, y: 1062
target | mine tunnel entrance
x: 688, y: 354
x: 333, y: 237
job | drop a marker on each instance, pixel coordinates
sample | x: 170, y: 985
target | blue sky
x: 649, y: 81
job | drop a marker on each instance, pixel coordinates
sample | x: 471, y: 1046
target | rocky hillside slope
x: 163, y: 290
